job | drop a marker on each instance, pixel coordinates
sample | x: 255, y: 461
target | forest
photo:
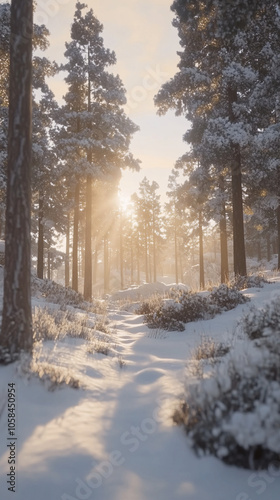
x: 163, y: 314
x: 224, y: 190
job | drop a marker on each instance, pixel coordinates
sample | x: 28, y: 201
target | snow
x: 114, y: 438
x: 146, y: 290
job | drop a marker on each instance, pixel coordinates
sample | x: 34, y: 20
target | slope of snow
x: 114, y: 438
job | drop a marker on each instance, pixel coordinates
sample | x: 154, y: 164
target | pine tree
x: 216, y: 87
x: 96, y: 132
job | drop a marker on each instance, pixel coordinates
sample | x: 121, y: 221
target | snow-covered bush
x: 209, y: 349
x: 98, y: 346
x: 55, y: 324
x: 252, y: 281
x: 258, y: 323
x: 234, y: 414
x: 226, y: 298
x: 51, y: 375
x: 65, y: 296
x: 184, y: 306
x: 193, y: 306
x: 45, y: 325
x: 53, y: 292
x: 149, y: 305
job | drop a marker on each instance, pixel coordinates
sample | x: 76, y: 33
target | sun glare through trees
x: 88, y: 236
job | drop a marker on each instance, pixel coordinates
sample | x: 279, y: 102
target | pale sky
x: 145, y: 42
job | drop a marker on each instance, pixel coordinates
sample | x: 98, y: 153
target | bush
x: 51, y: 375
x: 235, y: 413
x: 258, y: 323
x: 226, y: 298
x: 184, y: 306
x: 65, y: 296
x: 209, y: 349
x: 149, y: 305
x: 55, y: 324
x: 253, y: 281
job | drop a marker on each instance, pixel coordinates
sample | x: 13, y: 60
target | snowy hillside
x: 109, y: 434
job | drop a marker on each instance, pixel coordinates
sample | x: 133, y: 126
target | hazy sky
x: 145, y: 42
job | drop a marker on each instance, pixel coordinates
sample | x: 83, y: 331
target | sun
x: 124, y: 202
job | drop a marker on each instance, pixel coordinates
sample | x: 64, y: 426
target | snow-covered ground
x: 114, y: 438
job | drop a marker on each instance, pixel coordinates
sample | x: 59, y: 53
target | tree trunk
x: 75, y: 238
x: 278, y: 232
x: 138, y: 261
x: 67, y: 253
x: 49, y: 265
x: 131, y: 262
x: 121, y: 251
x: 224, y: 250
x: 88, y: 249
x: 259, y: 250
x: 154, y: 250
x: 268, y: 247
x: 106, y: 266
x: 201, y: 261
x: 16, y: 332
x: 40, y: 254
x: 146, y: 256
x: 223, y: 240
x: 95, y: 261
x: 239, y: 255
x: 176, y: 253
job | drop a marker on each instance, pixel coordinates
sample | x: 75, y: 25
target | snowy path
x: 115, y: 440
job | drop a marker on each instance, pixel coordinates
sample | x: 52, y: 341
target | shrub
x: 45, y: 325
x: 55, y: 324
x: 258, y: 323
x: 149, y: 305
x: 99, y: 347
x: 227, y: 298
x: 184, y: 306
x: 253, y: 281
x: 209, y: 349
x: 51, y: 375
x: 56, y: 293
x: 235, y: 413
x: 65, y: 296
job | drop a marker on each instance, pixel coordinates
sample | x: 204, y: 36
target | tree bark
x: 176, y: 253
x: 95, y: 262
x: 16, y: 332
x: 201, y: 260
x: 40, y: 254
x: 239, y: 254
x: 154, y: 250
x: 259, y: 250
x: 278, y: 232
x: 67, y: 267
x: 268, y: 247
x: 131, y: 261
x: 75, y: 238
x: 121, y: 251
x: 138, y: 260
x: 146, y: 256
x: 224, y: 249
x: 88, y: 249
x: 106, y: 265
x: 49, y: 265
